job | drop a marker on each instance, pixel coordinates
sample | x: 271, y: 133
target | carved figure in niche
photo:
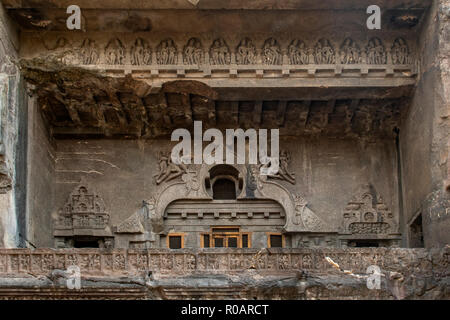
x: 298, y: 53
x: 367, y: 214
x: 166, y: 52
x: 400, y: 52
x: 324, y: 52
x: 89, y: 52
x: 376, y: 53
x: 272, y: 52
x: 141, y: 53
x: 283, y: 171
x: 193, y: 52
x: 115, y: 52
x: 219, y: 52
x: 350, y: 53
x: 246, y: 52
x: 169, y: 170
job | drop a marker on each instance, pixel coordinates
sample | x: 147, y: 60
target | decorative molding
x: 296, y: 59
x: 120, y: 262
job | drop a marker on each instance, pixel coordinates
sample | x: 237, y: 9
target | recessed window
x: 175, y: 241
x: 85, y: 244
x: 275, y: 240
x: 416, y: 233
x: 224, y: 189
x: 245, y: 243
x: 225, y: 237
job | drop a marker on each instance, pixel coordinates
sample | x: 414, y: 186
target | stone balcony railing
x: 97, y: 262
x: 224, y: 273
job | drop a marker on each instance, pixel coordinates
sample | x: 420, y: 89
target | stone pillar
x: 12, y: 140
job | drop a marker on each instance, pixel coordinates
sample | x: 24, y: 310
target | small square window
x: 276, y: 241
x: 175, y: 242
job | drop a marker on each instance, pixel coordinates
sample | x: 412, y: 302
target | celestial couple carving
x: 89, y: 52
x: 298, y: 52
x: 324, y: 52
x: 115, y: 52
x: 272, y: 52
x: 193, y: 52
x: 141, y: 53
x: 283, y: 170
x: 400, y: 52
x: 166, y: 52
x: 219, y: 53
x: 375, y: 51
x: 246, y: 52
x: 350, y: 53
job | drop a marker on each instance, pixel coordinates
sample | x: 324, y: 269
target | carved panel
x: 272, y: 52
x: 400, y: 52
x: 84, y: 209
x: 324, y: 52
x: 166, y: 52
x: 193, y: 52
x: 298, y: 52
x: 366, y: 214
x: 115, y: 52
x: 246, y: 52
x: 89, y: 53
x: 219, y: 54
x: 376, y: 52
x: 350, y: 53
x: 141, y: 53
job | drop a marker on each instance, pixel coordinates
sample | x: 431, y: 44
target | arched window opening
x: 224, y: 189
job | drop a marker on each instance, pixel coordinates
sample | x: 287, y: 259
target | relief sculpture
x: 89, y: 52
x: 166, y: 52
x: 246, y: 52
x: 141, y: 53
x: 272, y: 52
x: 298, y: 52
x: 193, y: 52
x: 220, y: 53
x: 115, y: 52
x: 350, y: 52
x: 169, y: 170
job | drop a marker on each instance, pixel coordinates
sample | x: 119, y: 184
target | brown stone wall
x: 41, y: 179
x: 424, y: 135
